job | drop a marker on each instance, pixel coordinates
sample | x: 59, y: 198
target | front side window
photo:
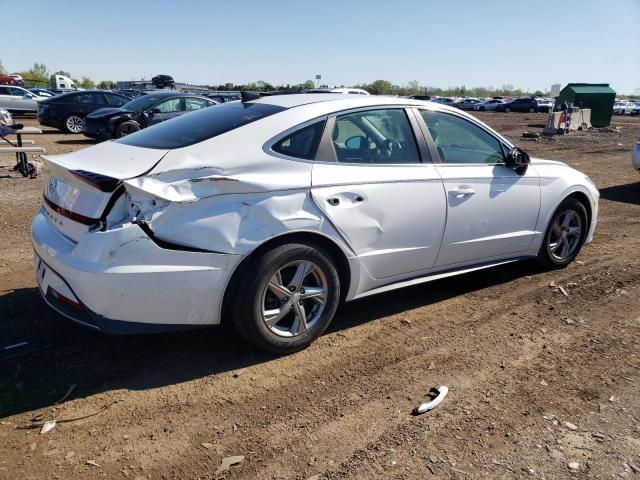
x: 302, y: 143
x: 375, y: 136
x: 200, y: 125
x: 461, y: 141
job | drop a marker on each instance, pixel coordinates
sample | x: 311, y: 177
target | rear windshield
x: 200, y: 125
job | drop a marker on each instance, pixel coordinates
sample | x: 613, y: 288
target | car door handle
x: 461, y: 192
x: 333, y: 201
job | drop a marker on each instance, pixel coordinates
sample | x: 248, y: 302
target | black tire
x: 507, y: 109
x: 546, y: 256
x: 73, y: 123
x: 482, y: 109
x: 252, y: 296
x: 126, y: 128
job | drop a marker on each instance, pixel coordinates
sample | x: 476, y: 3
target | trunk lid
x: 82, y: 183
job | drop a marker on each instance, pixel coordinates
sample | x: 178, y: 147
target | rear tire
x: 73, y: 123
x: 565, y: 235
x: 286, y: 298
x: 126, y: 128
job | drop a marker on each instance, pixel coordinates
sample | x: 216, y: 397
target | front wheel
x: 286, y: 298
x: 126, y: 128
x: 565, y: 235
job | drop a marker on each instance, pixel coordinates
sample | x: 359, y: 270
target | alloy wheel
x: 74, y: 124
x: 294, y: 298
x: 565, y: 235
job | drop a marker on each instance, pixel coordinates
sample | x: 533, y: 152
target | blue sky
x: 530, y: 44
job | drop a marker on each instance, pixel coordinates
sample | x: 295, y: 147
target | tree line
x: 38, y: 75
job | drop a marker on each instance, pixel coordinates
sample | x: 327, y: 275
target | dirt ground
x: 538, y: 379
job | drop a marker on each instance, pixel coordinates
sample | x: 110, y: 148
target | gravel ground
x: 542, y: 384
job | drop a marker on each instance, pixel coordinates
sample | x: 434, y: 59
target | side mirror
x: 355, y: 142
x: 518, y: 160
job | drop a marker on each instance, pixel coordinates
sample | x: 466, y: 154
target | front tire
x: 73, y: 123
x: 126, y: 128
x: 286, y: 298
x: 565, y: 235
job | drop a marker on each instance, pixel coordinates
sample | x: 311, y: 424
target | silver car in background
x: 488, y: 105
x: 18, y: 100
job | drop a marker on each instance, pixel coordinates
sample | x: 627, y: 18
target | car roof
x: 299, y: 99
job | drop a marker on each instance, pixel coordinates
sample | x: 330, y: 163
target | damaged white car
x: 268, y: 212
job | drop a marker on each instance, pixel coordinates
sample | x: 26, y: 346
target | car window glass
x: 201, y: 125
x: 116, y: 100
x: 195, y: 103
x: 169, y: 106
x: 460, y: 141
x: 90, y: 99
x: 4, y: 91
x: 302, y: 143
x: 375, y: 136
x: 17, y: 92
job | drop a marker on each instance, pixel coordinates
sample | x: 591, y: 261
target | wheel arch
x: 584, y: 199
x: 328, y: 245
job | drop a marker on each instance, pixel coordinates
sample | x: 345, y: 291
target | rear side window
x: 302, y: 143
x: 200, y: 125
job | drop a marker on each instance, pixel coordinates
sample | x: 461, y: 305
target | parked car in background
x: 443, y: 100
x: 68, y: 110
x: 519, y: 105
x: 635, y: 110
x: 222, y: 97
x: 622, y: 107
x: 215, y: 215
x: 488, y: 105
x: 18, y: 100
x: 163, y: 81
x: 43, y: 92
x: 11, y: 80
x: 467, y: 103
x: 420, y: 97
x: 544, y: 104
x: 141, y: 112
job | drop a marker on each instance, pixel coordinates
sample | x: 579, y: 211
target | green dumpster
x: 599, y: 97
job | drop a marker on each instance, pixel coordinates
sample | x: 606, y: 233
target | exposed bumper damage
x: 121, y: 274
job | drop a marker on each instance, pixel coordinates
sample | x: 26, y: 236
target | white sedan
x: 623, y: 107
x: 268, y: 212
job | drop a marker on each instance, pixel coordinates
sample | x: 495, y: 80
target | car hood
x: 108, y: 112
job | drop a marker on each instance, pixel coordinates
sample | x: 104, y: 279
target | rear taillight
x: 96, y: 180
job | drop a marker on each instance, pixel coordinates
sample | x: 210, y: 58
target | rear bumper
x: 120, y: 281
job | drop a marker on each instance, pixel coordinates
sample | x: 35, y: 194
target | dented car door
x: 377, y: 186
